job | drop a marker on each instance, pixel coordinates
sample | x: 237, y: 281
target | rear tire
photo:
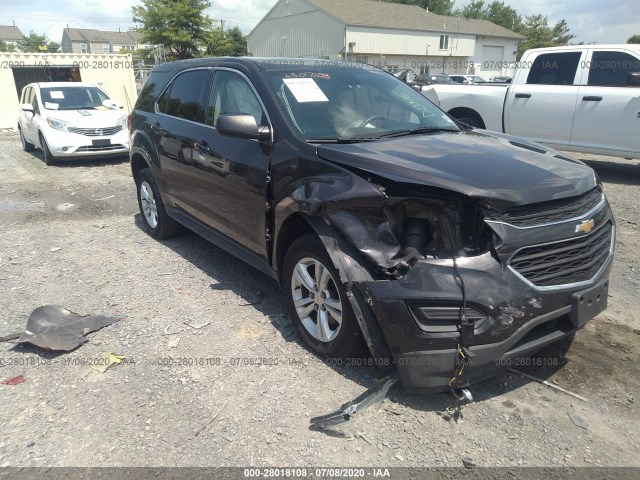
x: 49, y: 159
x: 317, y: 301
x: 154, y: 214
x: 26, y: 146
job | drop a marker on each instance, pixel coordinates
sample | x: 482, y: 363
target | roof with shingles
x: 11, y: 33
x: 101, y: 36
x: 368, y: 13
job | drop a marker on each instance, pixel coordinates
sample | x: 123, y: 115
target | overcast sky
x: 589, y: 20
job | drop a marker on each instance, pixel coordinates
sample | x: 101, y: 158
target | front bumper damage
x: 516, y: 320
x: 418, y: 312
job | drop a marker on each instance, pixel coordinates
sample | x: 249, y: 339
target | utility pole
x: 222, y: 26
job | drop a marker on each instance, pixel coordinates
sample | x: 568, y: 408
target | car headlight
x: 122, y: 122
x: 58, y: 124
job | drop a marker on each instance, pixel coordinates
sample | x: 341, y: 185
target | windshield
x: 72, y: 98
x: 352, y: 103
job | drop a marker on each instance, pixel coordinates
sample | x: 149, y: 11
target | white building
x: 394, y: 36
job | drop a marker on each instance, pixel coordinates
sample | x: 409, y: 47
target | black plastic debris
x: 374, y: 396
x: 56, y: 328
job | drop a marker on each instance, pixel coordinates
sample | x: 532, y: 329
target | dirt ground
x: 193, y: 317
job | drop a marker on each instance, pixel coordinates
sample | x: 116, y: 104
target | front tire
x: 154, y: 214
x: 26, y: 146
x: 317, y: 301
x: 49, y: 159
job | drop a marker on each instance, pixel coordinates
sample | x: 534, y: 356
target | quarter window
x: 554, y: 68
x: 610, y: 69
x: 184, y: 97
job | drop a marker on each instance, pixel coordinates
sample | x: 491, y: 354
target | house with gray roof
x: 11, y: 35
x: 391, y: 35
x: 86, y: 40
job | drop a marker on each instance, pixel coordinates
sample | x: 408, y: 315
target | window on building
x: 554, y: 68
x: 83, y: 48
x: 184, y: 97
x: 610, y: 69
x: 444, y: 42
x: 106, y: 48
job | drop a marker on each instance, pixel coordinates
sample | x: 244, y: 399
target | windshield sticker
x: 325, y: 76
x: 57, y: 94
x: 305, y: 90
x: 51, y: 106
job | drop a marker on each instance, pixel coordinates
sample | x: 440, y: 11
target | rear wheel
x: 26, y: 146
x: 317, y: 302
x: 49, y: 159
x: 154, y: 215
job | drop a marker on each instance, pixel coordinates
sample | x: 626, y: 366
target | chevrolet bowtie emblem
x: 586, y: 226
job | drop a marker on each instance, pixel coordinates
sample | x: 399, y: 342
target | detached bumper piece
x: 374, y: 396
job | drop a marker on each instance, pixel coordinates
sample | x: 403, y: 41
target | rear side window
x: 184, y: 97
x: 558, y: 68
x: 610, y: 69
x: 146, y: 98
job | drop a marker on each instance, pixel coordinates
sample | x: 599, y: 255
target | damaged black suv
x: 388, y: 225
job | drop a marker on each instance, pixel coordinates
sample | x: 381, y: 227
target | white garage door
x: 492, y: 59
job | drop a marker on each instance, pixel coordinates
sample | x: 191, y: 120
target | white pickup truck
x: 584, y: 98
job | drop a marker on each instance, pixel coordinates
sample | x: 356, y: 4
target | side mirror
x: 26, y: 107
x: 633, y: 79
x: 241, y: 126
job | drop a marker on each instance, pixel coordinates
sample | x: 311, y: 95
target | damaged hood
x: 503, y: 171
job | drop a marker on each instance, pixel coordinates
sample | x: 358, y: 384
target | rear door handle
x: 155, y: 127
x: 523, y: 95
x: 591, y: 98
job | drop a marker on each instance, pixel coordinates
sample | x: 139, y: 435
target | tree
x: 32, y: 42
x: 503, y: 15
x: 232, y: 43
x: 181, y: 26
x: 3, y: 45
x: 474, y: 10
x: 53, y: 47
x: 634, y: 39
x: 537, y: 33
x: 561, y: 35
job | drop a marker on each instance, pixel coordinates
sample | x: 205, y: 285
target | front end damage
x: 432, y: 273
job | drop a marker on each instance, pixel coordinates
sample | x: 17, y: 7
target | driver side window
x: 232, y: 94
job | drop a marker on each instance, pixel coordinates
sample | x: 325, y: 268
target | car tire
x: 26, y: 146
x: 328, y: 327
x: 49, y: 159
x: 154, y: 215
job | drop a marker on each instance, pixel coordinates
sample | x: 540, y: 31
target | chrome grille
x: 101, y: 148
x: 96, y: 132
x: 553, y: 211
x: 564, y: 262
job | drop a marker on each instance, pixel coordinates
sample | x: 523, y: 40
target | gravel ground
x: 71, y: 236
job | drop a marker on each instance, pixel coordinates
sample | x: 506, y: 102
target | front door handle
x: 591, y: 98
x: 523, y: 95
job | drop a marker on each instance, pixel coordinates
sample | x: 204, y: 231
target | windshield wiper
x: 342, y: 140
x: 418, y: 131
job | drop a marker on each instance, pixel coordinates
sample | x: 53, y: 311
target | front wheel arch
x: 468, y: 116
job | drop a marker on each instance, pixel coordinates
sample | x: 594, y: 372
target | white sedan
x: 71, y: 119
